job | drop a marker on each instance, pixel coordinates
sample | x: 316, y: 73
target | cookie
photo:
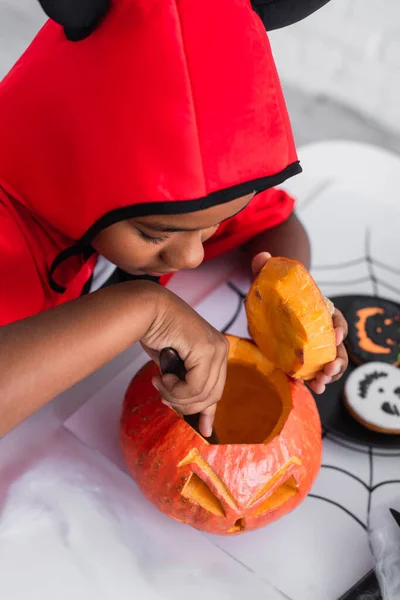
x: 372, y: 396
x: 374, y: 331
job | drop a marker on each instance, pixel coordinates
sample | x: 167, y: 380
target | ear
x: 78, y: 17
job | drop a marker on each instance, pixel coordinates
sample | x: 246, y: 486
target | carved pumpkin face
x: 268, y: 456
x: 269, y: 432
x: 374, y: 331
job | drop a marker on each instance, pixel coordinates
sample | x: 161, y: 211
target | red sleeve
x: 21, y: 292
x: 266, y: 210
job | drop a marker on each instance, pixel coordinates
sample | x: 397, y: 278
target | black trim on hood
x: 166, y: 208
x: 78, y: 249
x: 187, y: 206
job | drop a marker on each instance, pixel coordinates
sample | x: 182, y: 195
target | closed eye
x: 397, y: 391
x: 150, y: 239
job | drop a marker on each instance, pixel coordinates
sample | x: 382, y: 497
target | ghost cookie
x: 374, y: 330
x: 372, y: 396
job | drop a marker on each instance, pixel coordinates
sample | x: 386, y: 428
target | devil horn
x: 78, y: 17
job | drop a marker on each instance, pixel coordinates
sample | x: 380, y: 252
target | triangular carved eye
x: 279, y: 497
x: 199, y: 493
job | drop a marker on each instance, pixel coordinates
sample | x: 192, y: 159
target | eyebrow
x: 165, y: 228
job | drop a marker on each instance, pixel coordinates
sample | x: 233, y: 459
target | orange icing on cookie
x: 390, y: 342
x: 388, y: 321
x: 365, y: 342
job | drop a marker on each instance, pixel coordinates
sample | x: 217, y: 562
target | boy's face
x: 158, y: 245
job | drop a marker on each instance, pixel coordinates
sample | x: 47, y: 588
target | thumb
x: 258, y: 262
x: 206, y: 421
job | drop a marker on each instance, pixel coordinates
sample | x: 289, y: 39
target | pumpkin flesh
x: 256, y: 399
x: 289, y: 319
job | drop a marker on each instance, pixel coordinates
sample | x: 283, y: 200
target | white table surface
x: 313, y: 554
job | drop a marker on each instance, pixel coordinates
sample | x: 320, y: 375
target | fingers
x: 341, y: 327
x: 318, y: 385
x: 207, y: 421
x: 204, y: 383
x: 258, y: 262
x: 340, y: 364
x: 332, y: 372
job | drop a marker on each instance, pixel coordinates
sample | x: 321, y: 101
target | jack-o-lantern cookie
x: 372, y: 396
x: 374, y: 331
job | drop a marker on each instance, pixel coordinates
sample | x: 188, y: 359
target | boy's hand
x: 334, y: 370
x: 202, y: 348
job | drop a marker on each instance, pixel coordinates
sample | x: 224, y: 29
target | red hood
x: 167, y: 101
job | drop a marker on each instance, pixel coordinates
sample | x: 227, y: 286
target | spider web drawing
x: 369, y: 483
x: 372, y: 277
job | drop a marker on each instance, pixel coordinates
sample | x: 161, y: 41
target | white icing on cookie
x: 372, y: 394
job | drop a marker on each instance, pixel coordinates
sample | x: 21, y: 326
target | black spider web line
x: 236, y: 289
x: 389, y: 268
x: 345, y: 472
x: 315, y: 193
x: 370, y: 263
x: 238, y: 308
x: 367, y: 247
x: 252, y: 571
x: 371, y: 480
x: 389, y: 287
x: 365, y: 279
x: 382, y: 483
x: 343, y: 508
x: 355, y: 262
x: 343, y: 265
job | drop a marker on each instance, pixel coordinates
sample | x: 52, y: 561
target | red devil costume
x: 138, y: 107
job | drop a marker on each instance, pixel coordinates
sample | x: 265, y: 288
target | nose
x: 185, y: 253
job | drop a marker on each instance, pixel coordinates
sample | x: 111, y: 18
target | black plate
x: 335, y: 418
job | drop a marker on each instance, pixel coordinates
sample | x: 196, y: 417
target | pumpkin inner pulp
x: 254, y: 406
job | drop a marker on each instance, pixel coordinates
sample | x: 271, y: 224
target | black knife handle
x: 171, y: 363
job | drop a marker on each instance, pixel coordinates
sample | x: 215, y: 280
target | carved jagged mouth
x: 390, y: 409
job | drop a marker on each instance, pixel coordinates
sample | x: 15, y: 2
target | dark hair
x: 364, y: 384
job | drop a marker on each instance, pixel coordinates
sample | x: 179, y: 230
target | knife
x: 171, y: 363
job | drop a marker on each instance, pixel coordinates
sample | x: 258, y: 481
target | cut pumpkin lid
x: 289, y: 319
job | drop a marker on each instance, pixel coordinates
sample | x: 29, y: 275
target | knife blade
x: 171, y: 363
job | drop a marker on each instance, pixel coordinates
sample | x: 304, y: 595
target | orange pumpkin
x: 267, y: 423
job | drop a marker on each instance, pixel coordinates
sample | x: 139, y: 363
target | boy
x: 142, y: 135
